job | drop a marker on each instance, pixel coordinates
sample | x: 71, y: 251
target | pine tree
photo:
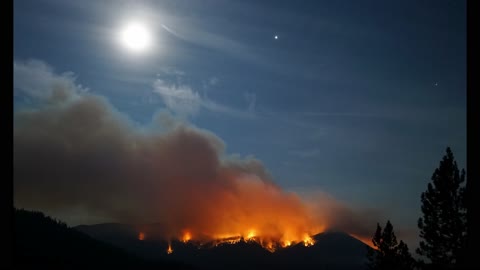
x: 404, y: 258
x: 443, y: 226
x: 389, y: 254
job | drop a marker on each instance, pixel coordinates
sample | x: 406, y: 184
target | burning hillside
x: 76, y: 156
x: 269, y: 244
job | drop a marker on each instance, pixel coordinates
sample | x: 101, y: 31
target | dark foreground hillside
x: 42, y: 242
x: 332, y: 250
x: 45, y: 243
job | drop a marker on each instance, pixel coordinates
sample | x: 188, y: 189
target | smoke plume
x: 77, y: 153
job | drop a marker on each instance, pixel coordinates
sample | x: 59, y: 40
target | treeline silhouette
x: 443, y: 226
x: 47, y: 243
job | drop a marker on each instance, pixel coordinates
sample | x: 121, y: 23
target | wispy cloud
x: 36, y: 79
x: 201, y: 37
x: 181, y: 99
x: 185, y: 101
x: 216, y: 107
x: 172, y: 31
x: 171, y: 71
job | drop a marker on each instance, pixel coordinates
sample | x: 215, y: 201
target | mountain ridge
x: 41, y: 241
x: 332, y: 249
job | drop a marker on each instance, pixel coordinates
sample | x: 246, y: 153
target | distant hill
x: 332, y: 250
x: 46, y: 243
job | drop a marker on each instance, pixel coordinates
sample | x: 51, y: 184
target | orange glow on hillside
x: 366, y: 240
x: 251, y: 234
x: 249, y: 210
x: 269, y: 240
x: 243, y: 206
x: 169, y: 249
x: 186, y: 236
x: 269, y: 246
x: 308, y: 241
x: 281, y: 236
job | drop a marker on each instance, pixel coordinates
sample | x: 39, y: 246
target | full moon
x: 135, y: 37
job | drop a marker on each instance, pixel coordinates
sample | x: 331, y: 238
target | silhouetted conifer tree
x: 389, y: 254
x: 443, y: 226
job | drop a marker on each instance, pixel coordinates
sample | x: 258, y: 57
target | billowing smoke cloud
x: 80, y: 153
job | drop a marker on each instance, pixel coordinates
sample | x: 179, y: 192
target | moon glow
x: 135, y: 37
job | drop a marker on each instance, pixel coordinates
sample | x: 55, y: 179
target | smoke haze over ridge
x: 76, y: 152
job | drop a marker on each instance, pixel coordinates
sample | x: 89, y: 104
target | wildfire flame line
x: 269, y: 244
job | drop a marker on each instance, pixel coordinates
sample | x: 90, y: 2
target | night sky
x: 357, y: 99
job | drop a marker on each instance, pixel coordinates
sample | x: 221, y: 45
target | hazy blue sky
x: 355, y: 98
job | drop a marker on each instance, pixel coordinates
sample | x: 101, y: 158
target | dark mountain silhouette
x: 43, y: 242
x: 332, y: 250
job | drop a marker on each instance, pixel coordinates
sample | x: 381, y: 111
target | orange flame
x: 250, y: 210
x: 169, y: 249
x: 245, y: 207
x: 186, y: 236
x: 308, y: 241
x: 286, y: 244
x: 269, y: 246
x: 251, y: 234
x: 141, y: 236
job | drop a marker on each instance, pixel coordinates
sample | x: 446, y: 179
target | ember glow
x: 141, y: 236
x: 251, y: 234
x: 269, y: 241
x: 186, y: 236
x: 308, y: 241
